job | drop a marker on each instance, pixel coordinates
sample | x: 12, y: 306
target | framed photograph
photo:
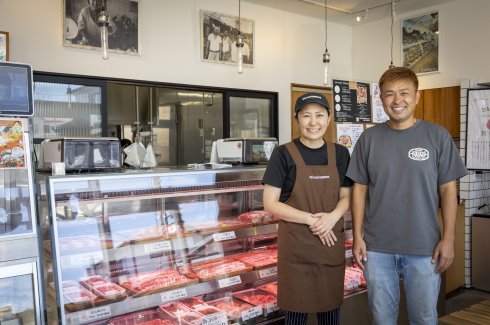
x: 81, y: 28
x: 219, y: 34
x: 478, y: 129
x: 4, y: 46
x: 420, y: 43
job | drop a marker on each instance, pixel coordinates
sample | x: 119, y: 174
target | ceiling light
x: 239, y: 42
x: 103, y: 23
x: 363, y: 16
x: 392, y: 19
x: 326, y: 55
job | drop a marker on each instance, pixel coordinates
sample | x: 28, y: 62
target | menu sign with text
x: 351, y: 101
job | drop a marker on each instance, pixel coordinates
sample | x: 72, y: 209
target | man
x: 403, y: 169
x: 226, y: 47
x: 214, y: 45
x: 88, y: 25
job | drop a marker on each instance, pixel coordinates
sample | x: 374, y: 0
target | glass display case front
x: 137, y: 242
x: 16, y: 204
x: 19, y: 294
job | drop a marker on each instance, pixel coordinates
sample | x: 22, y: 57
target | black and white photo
x: 219, y: 34
x: 420, y: 43
x: 81, y: 27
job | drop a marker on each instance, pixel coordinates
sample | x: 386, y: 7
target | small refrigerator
x: 20, y: 294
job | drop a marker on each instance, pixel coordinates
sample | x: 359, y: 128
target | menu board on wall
x: 478, y: 130
x: 351, y: 101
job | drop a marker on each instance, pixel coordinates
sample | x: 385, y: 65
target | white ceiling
x: 346, y: 11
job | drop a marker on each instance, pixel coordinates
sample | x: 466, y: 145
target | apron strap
x: 331, y: 158
x: 295, y: 154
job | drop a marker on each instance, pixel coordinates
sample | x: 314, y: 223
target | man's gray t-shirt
x: 403, y: 169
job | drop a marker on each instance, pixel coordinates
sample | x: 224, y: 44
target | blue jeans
x: 421, y: 283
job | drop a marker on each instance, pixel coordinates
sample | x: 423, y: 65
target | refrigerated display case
x: 161, y: 246
x: 19, y: 250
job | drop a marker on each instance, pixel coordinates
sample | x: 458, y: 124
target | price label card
x: 86, y: 259
x: 215, y: 319
x: 251, y: 313
x: 271, y: 307
x: 161, y: 246
x: 228, y: 282
x: 173, y: 295
x: 90, y: 315
x: 265, y: 273
x: 224, y: 236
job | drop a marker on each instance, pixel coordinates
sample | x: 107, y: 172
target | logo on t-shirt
x: 419, y: 154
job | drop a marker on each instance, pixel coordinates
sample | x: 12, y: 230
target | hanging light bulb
x: 239, y: 45
x: 326, y: 61
x: 103, y: 22
x: 239, y: 42
x: 326, y: 54
x: 392, y: 19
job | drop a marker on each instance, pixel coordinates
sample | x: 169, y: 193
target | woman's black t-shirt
x: 281, y: 169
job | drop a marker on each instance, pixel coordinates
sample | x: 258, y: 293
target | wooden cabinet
x: 441, y: 106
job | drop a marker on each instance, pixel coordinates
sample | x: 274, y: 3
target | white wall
x: 288, y: 46
x: 464, y: 41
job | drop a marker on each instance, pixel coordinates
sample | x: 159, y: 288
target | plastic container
x: 108, y: 290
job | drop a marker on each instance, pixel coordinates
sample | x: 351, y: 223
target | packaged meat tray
x: 109, y: 290
x: 79, y: 296
x: 257, y: 297
x: 270, y: 287
x: 157, y: 281
x: 259, y: 259
x: 174, y: 309
x: 89, y: 282
x: 236, y: 309
x: 256, y: 217
x: 148, y: 317
x: 192, y: 302
x: 191, y: 317
x: 206, y: 310
x: 219, y: 268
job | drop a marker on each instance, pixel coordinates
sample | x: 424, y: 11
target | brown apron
x: 310, y: 274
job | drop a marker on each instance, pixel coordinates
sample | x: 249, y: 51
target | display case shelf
x: 154, y: 300
x: 83, y: 257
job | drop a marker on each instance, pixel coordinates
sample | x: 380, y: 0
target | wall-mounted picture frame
x: 421, y: 43
x: 81, y: 30
x: 218, y: 38
x: 4, y: 46
x: 478, y: 129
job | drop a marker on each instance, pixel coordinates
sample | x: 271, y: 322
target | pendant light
x: 326, y: 55
x: 392, y: 19
x: 103, y: 22
x: 239, y: 42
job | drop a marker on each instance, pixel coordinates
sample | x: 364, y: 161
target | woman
x: 306, y: 188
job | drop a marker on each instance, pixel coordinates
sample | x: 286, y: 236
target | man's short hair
x: 399, y: 73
